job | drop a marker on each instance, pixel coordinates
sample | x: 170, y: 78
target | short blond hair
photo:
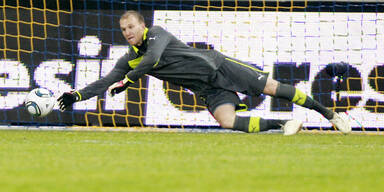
x: 136, y: 14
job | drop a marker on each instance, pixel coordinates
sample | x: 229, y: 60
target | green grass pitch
x: 125, y: 161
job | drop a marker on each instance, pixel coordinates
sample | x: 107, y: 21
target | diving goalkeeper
x: 211, y: 75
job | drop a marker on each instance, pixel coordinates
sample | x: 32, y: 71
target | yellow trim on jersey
x: 243, y: 106
x: 145, y: 33
x: 135, y: 62
x: 254, y: 125
x: 78, y: 93
x: 127, y: 79
x: 156, y: 63
x: 144, y: 38
x: 245, y: 65
x: 135, y: 49
x: 299, y: 97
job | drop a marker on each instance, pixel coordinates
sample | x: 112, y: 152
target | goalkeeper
x: 211, y: 75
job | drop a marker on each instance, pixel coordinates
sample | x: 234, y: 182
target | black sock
x: 292, y: 94
x: 315, y: 105
x: 273, y: 124
x: 256, y: 124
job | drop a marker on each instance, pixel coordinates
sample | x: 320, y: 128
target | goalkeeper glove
x: 118, y: 87
x: 67, y: 99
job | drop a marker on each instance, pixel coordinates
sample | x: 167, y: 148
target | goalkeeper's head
x: 132, y: 26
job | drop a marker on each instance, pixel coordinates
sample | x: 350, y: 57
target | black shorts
x: 216, y: 97
x: 234, y: 76
x: 237, y: 76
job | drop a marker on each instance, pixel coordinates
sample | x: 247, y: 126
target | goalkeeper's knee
x: 290, y: 93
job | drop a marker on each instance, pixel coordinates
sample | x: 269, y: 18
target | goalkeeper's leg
x: 226, y: 116
x: 289, y: 92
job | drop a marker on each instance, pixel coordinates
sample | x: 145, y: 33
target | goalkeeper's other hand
x: 118, y: 87
x: 67, y: 99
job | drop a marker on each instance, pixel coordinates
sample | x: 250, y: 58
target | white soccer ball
x: 39, y: 102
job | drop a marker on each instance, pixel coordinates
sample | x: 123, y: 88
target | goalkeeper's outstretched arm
x: 98, y: 87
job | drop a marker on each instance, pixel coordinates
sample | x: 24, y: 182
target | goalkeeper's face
x: 133, y: 30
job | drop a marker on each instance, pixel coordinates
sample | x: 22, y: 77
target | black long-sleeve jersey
x: 165, y: 57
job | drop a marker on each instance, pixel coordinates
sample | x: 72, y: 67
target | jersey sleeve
x: 158, y: 39
x: 100, y: 86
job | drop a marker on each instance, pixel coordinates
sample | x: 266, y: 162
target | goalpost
x: 63, y: 45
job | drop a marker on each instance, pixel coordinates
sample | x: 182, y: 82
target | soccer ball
x: 39, y: 102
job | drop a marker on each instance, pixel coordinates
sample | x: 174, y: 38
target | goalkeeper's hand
x: 118, y: 87
x: 67, y: 99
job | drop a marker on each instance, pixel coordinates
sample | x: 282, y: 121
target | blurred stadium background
x: 63, y: 45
